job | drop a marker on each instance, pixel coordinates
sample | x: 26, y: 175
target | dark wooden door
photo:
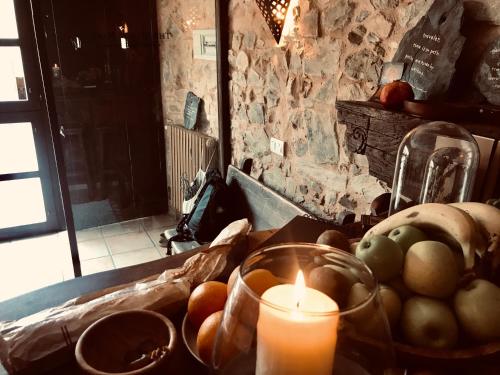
x: 103, y: 56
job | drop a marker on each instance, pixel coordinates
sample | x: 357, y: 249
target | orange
x: 260, y: 280
x: 206, y: 299
x: 206, y: 336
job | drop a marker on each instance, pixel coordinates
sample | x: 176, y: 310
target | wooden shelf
x: 377, y: 132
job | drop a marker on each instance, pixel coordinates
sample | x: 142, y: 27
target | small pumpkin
x: 395, y: 93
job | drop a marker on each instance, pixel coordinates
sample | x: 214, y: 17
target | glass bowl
x: 335, y: 325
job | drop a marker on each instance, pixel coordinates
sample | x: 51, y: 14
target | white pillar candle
x: 296, y: 331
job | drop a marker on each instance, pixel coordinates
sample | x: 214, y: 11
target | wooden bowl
x: 126, y: 343
x: 480, y: 359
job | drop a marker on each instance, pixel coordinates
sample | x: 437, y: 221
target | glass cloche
x: 436, y: 162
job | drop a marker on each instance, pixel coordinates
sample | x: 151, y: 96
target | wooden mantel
x: 377, y: 132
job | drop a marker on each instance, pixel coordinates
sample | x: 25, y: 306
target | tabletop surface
x: 299, y: 229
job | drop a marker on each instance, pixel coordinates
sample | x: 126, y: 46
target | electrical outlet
x: 277, y: 146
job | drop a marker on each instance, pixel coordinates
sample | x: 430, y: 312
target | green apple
x: 477, y: 306
x: 407, y: 235
x: 382, y: 255
x: 391, y: 303
x: 428, y: 323
x: 430, y: 269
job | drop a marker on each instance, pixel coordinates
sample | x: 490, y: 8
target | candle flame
x: 300, y: 288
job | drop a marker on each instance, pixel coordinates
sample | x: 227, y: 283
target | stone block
x: 373, y: 38
x: 321, y: 138
x: 348, y: 202
x: 384, y: 4
x: 256, y: 140
x: 309, y: 24
x: 351, y: 91
x: 254, y: 79
x: 249, y: 40
x: 337, y: 15
x: 300, y: 148
x: 236, y: 41
x: 272, y: 98
x: 332, y: 180
x: 363, y: 65
x: 379, y: 25
x: 326, y: 93
x: 242, y: 61
x: 256, y: 113
x: 363, y: 15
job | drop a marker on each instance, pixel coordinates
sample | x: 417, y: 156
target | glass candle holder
x: 334, y: 324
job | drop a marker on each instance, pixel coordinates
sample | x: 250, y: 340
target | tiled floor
x: 26, y: 265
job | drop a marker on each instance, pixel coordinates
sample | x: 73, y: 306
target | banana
x: 488, y: 219
x: 454, y: 222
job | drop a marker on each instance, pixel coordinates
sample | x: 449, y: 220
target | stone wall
x: 181, y: 73
x: 289, y: 93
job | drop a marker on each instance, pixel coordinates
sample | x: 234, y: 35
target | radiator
x: 186, y: 152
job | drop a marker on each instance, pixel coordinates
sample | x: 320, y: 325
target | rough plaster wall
x: 181, y: 73
x: 289, y: 93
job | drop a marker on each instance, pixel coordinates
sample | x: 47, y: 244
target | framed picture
x: 204, y: 44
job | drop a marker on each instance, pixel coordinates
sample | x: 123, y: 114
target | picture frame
x: 205, y: 44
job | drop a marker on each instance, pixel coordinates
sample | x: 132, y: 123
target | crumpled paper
x: 45, y: 340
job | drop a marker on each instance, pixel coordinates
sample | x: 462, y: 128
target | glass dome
x: 436, y: 162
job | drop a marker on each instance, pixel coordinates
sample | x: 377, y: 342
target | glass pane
x: 17, y: 148
x: 21, y: 203
x: 8, y: 25
x: 12, y: 81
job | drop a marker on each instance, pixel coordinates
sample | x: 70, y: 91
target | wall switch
x: 277, y: 146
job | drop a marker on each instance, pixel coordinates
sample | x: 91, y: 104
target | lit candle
x: 296, y: 331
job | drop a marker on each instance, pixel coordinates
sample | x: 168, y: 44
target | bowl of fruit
x: 438, y: 266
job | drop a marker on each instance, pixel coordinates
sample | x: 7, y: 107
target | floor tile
x: 92, y: 249
x: 128, y: 242
x: 154, y: 235
x: 88, y: 234
x: 159, y: 221
x: 26, y: 269
x: 162, y: 251
x: 97, y: 265
x: 132, y: 226
x: 136, y: 257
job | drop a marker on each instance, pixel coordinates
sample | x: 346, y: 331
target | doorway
x: 104, y: 76
x: 30, y: 201
x: 92, y: 69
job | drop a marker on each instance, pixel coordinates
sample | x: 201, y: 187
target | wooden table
x: 57, y: 294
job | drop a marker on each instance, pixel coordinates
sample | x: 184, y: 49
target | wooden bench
x: 263, y: 207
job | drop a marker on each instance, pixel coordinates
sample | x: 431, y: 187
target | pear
x: 430, y: 269
x: 429, y: 323
x: 391, y: 303
x: 477, y: 307
x: 366, y: 314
